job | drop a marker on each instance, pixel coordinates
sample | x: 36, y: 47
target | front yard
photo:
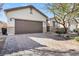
x: 41, y: 44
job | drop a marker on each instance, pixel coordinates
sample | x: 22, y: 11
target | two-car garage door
x: 26, y: 26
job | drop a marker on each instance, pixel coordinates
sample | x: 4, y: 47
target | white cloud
x: 3, y: 17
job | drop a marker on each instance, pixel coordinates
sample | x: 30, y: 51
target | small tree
x: 64, y: 13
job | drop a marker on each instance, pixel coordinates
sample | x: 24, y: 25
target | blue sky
x: 40, y: 6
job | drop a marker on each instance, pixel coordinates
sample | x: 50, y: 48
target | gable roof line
x: 6, y: 10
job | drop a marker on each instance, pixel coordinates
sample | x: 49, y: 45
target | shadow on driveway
x: 49, y: 36
x: 17, y: 43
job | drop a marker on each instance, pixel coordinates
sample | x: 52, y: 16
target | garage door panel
x: 23, y: 27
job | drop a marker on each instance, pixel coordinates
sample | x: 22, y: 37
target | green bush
x: 60, y: 30
x: 77, y: 38
x: 76, y: 30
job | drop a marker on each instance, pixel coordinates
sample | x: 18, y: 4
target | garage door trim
x: 34, y: 26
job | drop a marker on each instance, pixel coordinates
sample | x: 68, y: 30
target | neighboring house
x: 27, y: 19
x: 2, y: 25
x: 53, y: 25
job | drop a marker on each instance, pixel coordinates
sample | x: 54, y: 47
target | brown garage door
x: 25, y: 26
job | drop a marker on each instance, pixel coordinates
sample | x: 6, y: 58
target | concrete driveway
x: 47, y: 41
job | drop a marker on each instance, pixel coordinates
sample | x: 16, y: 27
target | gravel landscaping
x: 40, y: 44
x: 38, y: 52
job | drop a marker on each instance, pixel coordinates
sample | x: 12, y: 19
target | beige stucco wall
x: 24, y: 14
x: 11, y: 27
x: 51, y: 25
x: 78, y: 25
x: 0, y: 31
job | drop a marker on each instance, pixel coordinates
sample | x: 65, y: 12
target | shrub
x: 67, y: 36
x: 60, y: 30
x: 77, y: 38
x: 76, y: 30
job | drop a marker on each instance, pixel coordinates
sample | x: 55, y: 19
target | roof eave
x: 6, y: 10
